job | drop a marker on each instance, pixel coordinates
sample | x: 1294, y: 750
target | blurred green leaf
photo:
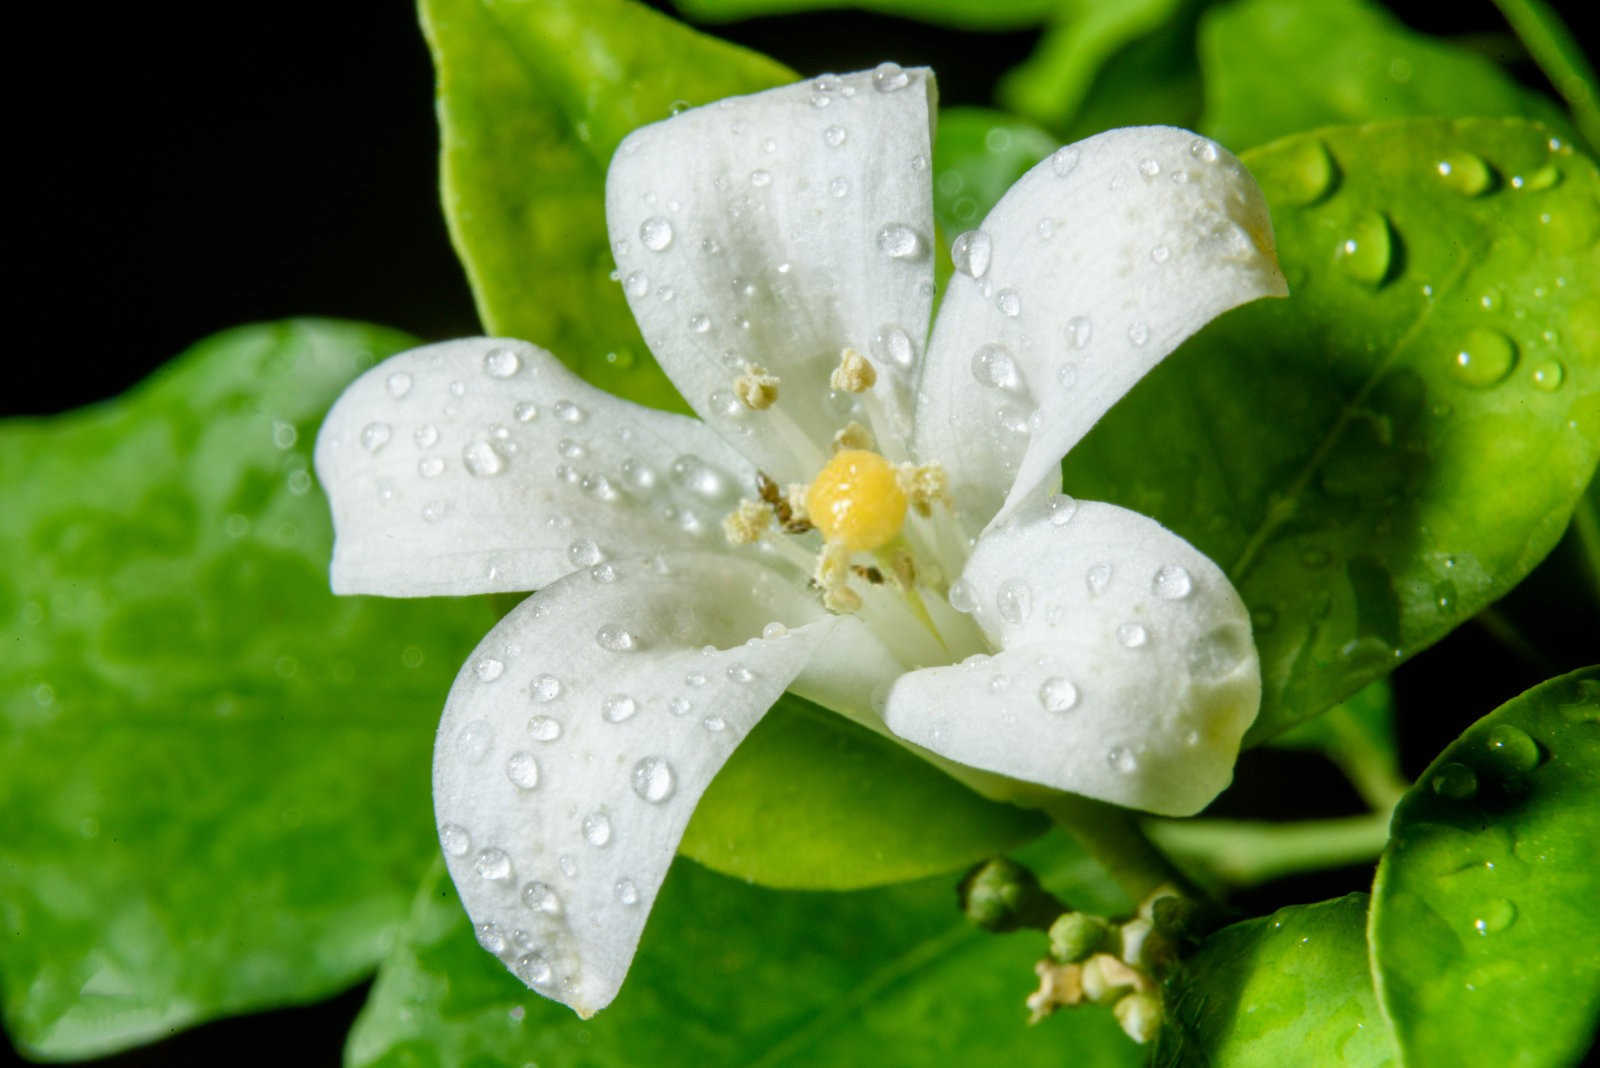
x: 734, y: 974
x: 977, y: 154
x: 533, y: 98
x: 1153, y: 80
x: 1277, y: 67
x: 1290, y: 988
x: 1485, y: 938
x: 1396, y: 445
x: 1560, y: 55
x: 810, y: 800
x: 216, y: 786
x: 965, y: 14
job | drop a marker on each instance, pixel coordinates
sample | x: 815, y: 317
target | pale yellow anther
x: 794, y: 495
x: 854, y: 373
x: 756, y: 388
x: 746, y: 523
x: 833, y: 567
x: 853, y: 436
x: 856, y: 501
x: 924, y: 485
x: 843, y: 600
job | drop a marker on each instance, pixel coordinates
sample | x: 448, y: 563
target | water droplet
x: 714, y: 724
x: 899, y: 242
x: 501, y: 362
x: 616, y: 638
x: 1121, y: 759
x: 760, y: 179
x: 1365, y: 254
x: 482, y: 459
x: 1455, y: 781
x: 1138, y: 333
x: 546, y: 688
x: 1097, y: 578
x: 455, y: 839
x: 1546, y: 177
x: 474, y: 741
x: 584, y: 553
x: 1062, y: 508
x: 656, y: 233
x: 434, y: 511
x: 543, y: 728
x: 834, y: 136
x: 1484, y: 357
x: 1014, y: 601
x: 533, y: 969
x: 993, y: 366
x: 1496, y: 916
x: 1009, y: 303
x: 605, y: 574
x: 1132, y: 635
x: 493, y: 864
x: 1307, y: 172
x: 637, y: 283
x: 680, y: 706
x: 488, y: 669
x: 542, y: 897
x: 627, y: 893
x: 1217, y: 653
x: 961, y: 598
x: 618, y: 707
x: 1079, y: 330
x: 523, y: 770
x: 839, y: 187
x: 1172, y: 582
x: 492, y: 938
x: 740, y: 673
x: 568, y: 865
x: 1063, y: 161
x: 1056, y: 694
x: 1549, y: 375
x: 892, y: 346
x: 696, y: 679
x: 597, y: 829
x: 399, y: 384
x: 1465, y: 172
x: 889, y: 77
x: 971, y: 252
x: 654, y: 780
x: 375, y: 436
x: 1161, y: 254
x: 430, y: 467
x: 426, y: 436
x: 1512, y: 748
x: 1149, y: 168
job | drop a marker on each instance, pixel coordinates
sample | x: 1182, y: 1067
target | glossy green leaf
x: 977, y: 154
x: 1290, y: 988
x: 216, y: 772
x: 534, y: 96
x: 966, y: 14
x: 1485, y: 937
x: 734, y: 974
x: 1055, y: 81
x: 1277, y: 67
x: 812, y: 801
x: 1393, y: 447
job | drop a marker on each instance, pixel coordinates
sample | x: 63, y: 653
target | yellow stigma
x: 856, y: 500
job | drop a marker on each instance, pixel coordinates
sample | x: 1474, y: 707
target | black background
x: 182, y: 173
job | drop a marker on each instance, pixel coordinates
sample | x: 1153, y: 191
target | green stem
x: 1370, y: 768
x: 1242, y: 853
x: 1114, y: 837
x: 1586, y: 525
x: 1551, y: 45
x: 1506, y: 633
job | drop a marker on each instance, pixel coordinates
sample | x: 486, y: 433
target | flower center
x: 856, y: 500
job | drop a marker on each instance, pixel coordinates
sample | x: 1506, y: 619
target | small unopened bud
x: 1140, y: 1016
x: 1173, y: 915
x: 854, y: 374
x: 1075, y: 935
x: 1002, y: 895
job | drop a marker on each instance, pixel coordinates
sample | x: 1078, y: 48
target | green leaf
x: 1485, y: 938
x: 1290, y: 988
x: 734, y: 974
x: 1560, y: 55
x: 964, y: 14
x: 812, y: 801
x: 1398, y: 443
x: 977, y: 154
x: 534, y: 96
x: 1277, y: 67
x: 216, y: 785
x: 1055, y: 81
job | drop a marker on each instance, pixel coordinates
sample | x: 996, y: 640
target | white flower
x: 776, y: 250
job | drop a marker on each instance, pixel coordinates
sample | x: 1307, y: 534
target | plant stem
x: 1506, y: 633
x: 1370, y: 768
x: 1244, y: 853
x: 1114, y: 837
x: 1552, y: 46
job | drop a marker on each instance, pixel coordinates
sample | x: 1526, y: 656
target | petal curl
x: 1101, y: 260
x: 1127, y: 671
x: 778, y: 229
x: 570, y: 757
x: 484, y: 465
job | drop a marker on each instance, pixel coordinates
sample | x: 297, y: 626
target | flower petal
x: 776, y: 230
x: 483, y: 465
x: 1100, y: 261
x: 1128, y: 671
x: 578, y: 739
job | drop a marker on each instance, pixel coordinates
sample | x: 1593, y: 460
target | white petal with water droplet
x: 790, y: 270
x: 492, y: 488
x: 611, y: 796
x: 1090, y: 299
x: 1162, y: 689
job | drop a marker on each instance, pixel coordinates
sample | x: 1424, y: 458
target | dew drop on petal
x: 1172, y: 582
x: 375, y: 436
x: 637, y: 283
x: 501, y: 362
x: 597, y: 829
x: 656, y: 233
x: 1097, y: 578
x: 1061, y: 509
x: 889, y: 78
x: 482, y: 459
x: 474, y: 741
x: 488, y: 669
x: 533, y: 969
x: 426, y: 436
x: 546, y: 688
x: 993, y: 366
x: 1122, y: 759
x: 961, y: 598
x: 544, y: 729
x: 455, y: 839
x: 1138, y: 333
x: 971, y: 252
x: 654, y: 780
x: 1056, y: 694
x: 541, y: 897
x: 399, y: 384
x: 616, y: 638
x: 1009, y: 303
x: 618, y: 707
x: 892, y: 346
x: 1079, y: 331
x: 1014, y: 601
x: 1064, y: 161
x: 493, y: 864
x: 523, y: 770
x: 627, y: 893
x: 899, y: 242
x: 583, y: 552
x: 1132, y: 635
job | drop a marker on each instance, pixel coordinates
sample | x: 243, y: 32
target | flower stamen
x: 756, y: 388
x: 855, y: 373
